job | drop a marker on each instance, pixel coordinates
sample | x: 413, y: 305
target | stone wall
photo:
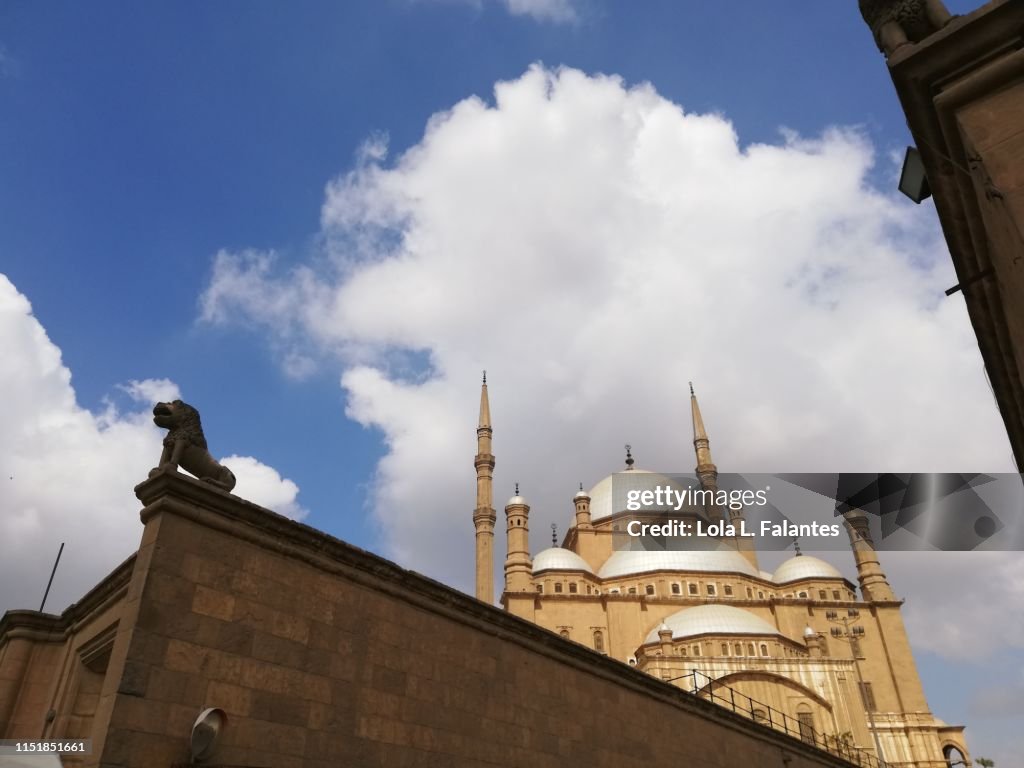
x: 324, y: 655
x: 962, y: 89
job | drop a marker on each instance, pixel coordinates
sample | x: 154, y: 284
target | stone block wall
x: 324, y: 655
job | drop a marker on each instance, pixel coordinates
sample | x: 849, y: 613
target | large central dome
x: 601, y: 494
x: 604, y: 503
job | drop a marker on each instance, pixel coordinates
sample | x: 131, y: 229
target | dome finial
x: 691, y: 390
x: 796, y: 547
x: 629, y: 456
x: 554, y: 535
x: 581, y: 486
x: 485, y: 377
x: 517, y: 489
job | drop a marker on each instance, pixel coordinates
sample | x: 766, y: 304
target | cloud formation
x: 543, y: 10
x: 594, y: 246
x: 66, y: 474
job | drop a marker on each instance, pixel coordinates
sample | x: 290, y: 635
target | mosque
x: 801, y: 644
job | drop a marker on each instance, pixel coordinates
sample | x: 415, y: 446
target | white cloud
x: 66, y: 474
x: 543, y: 10
x: 264, y: 485
x: 595, y: 247
x: 151, y: 391
x: 553, y: 11
x: 964, y: 605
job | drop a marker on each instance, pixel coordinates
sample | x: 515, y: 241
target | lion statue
x: 894, y: 23
x: 185, y: 445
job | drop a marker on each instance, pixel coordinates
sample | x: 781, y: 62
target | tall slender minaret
x: 707, y: 472
x: 484, y: 515
x: 873, y: 583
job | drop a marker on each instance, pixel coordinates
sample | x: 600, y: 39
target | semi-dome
x: 714, y: 620
x: 559, y: 559
x: 805, y: 567
x: 627, y: 562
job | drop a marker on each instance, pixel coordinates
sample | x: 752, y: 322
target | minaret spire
x: 484, y: 515
x: 707, y: 472
x: 485, y: 405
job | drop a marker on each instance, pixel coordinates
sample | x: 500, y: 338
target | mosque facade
x: 802, y: 645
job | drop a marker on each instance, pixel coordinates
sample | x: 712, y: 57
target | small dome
x: 805, y: 567
x: 714, y: 620
x: 517, y: 499
x: 559, y: 559
x: 624, y: 562
x: 581, y: 494
x: 808, y: 632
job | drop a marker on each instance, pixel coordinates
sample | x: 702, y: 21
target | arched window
x: 540, y: 587
x: 711, y: 590
x: 759, y: 715
x: 764, y: 649
x: 725, y: 649
x: 822, y: 594
x: 750, y: 593
x: 750, y: 650
x: 696, y: 650
x: 589, y: 589
x: 632, y: 590
x: 803, y: 594
x: 564, y: 633
x: 693, y: 588
x: 728, y: 590
x: 598, y: 640
x: 760, y: 595
x: 738, y: 649
x: 558, y: 586
x: 650, y: 589
x: 572, y: 587
x: 806, y: 720
x: 676, y: 590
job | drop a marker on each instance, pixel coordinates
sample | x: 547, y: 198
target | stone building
x: 960, y: 81
x: 703, y: 619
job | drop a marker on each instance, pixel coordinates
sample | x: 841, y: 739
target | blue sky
x: 139, y: 142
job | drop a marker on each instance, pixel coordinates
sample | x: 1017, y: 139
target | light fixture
x: 913, y: 180
x: 206, y: 733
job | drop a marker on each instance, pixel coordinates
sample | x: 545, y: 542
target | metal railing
x: 767, y: 716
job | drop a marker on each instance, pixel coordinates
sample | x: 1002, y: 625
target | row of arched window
x: 693, y: 589
x: 737, y: 649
